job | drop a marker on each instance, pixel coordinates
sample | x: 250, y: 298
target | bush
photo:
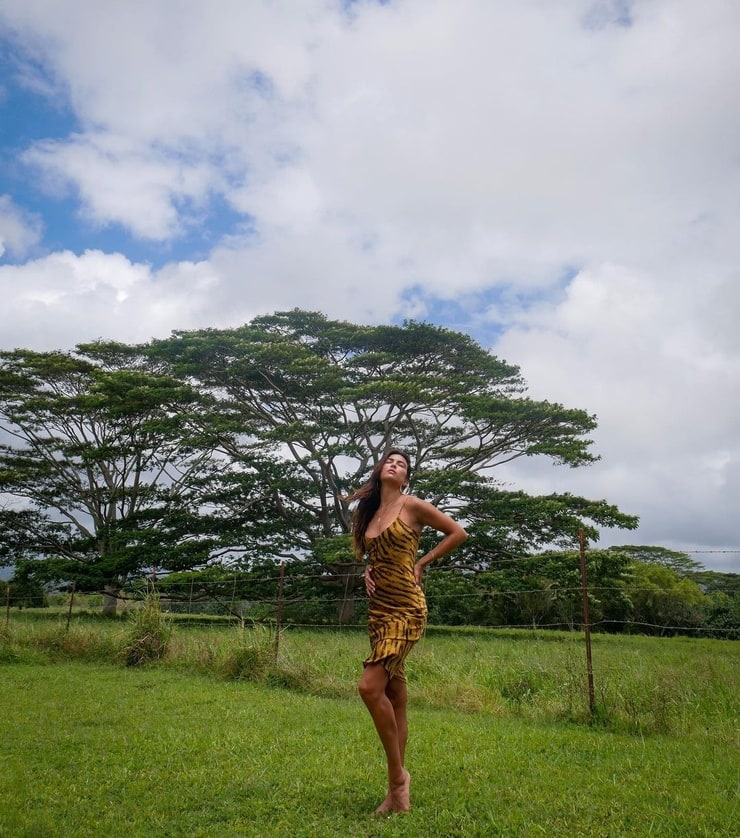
x: 150, y: 633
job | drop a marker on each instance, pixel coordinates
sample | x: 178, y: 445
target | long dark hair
x: 368, y: 496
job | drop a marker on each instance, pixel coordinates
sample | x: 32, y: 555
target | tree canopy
x: 325, y: 399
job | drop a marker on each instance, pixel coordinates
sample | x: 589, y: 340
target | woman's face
x: 396, y: 469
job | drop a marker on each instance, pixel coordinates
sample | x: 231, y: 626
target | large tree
x: 100, y: 456
x: 323, y: 399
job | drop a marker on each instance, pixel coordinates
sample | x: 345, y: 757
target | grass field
x: 501, y: 742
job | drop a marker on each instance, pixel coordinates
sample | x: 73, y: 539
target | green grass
x: 215, y: 739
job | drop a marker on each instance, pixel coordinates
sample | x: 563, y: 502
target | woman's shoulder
x: 423, y: 513
x: 417, y: 509
x: 413, y: 502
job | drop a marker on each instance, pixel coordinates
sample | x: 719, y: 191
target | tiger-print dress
x: 397, y: 611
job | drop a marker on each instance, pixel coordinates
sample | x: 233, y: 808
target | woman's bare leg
x: 398, y: 697
x: 373, y: 690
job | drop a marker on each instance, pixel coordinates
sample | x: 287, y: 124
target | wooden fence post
x: 279, y: 610
x: 587, y: 623
x: 71, y: 603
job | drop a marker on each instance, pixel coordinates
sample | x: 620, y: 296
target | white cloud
x: 117, y: 182
x: 63, y: 299
x: 631, y: 350
x: 19, y: 230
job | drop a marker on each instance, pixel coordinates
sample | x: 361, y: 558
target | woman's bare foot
x: 400, y: 794
x: 385, y: 807
x: 398, y: 797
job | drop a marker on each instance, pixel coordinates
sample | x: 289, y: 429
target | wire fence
x: 338, y: 601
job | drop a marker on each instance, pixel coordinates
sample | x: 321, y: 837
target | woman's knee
x: 372, y: 683
x: 365, y: 690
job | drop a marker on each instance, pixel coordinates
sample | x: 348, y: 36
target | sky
x: 559, y: 180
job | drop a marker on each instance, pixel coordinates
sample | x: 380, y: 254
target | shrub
x: 150, y: 633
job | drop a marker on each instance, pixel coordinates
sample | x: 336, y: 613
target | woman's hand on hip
x: 369, y: 580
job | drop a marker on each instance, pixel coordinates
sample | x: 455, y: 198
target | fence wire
x: 237, y: 598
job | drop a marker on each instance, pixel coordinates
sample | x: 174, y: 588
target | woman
x: 386, y: 527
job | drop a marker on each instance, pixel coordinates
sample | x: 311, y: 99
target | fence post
x: 586, y: 623
x: 71, y: 603
x: 7, y: 605
x: 279, y: 611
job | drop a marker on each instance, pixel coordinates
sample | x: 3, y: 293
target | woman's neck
x: 389, y: 496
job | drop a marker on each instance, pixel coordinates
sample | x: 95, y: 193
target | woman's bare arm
x: 421, y: 513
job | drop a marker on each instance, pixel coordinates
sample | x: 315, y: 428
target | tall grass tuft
x: 248, y: 655
x: 149, y: 635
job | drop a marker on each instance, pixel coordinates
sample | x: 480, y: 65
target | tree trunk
x: 347, y: 580
x: 110, y: 600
